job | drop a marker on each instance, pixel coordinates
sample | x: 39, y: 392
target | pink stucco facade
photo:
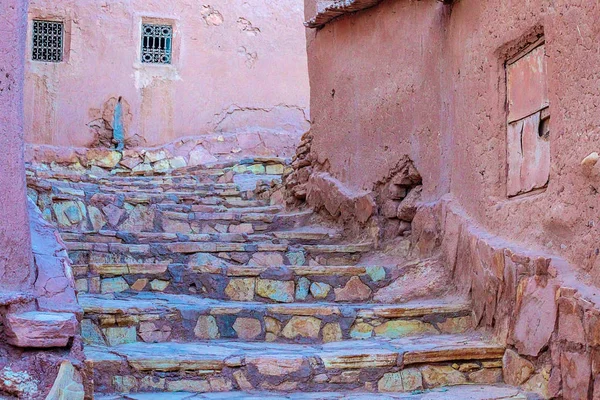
x: 237, y: 66
x: 15, y: 240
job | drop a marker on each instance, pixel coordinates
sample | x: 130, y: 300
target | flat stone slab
x: 160, y: 317
x: 215, y: 355
x: 37, y: 329
x: 474, y: 392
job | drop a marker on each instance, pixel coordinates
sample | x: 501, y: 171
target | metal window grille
x: 48, y: 38
x: 157, y: 43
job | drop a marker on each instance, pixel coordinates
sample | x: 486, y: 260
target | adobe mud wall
x: 428, y: 80
x: 16, y: 264
x: 236, y: 67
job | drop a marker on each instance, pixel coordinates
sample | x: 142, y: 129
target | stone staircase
x: 196, y: 286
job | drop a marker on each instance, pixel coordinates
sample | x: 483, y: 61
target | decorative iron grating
x: 48, y: 38
x: 157, y: 43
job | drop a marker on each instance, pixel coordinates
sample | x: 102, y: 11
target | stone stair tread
x: 189, y: 247
x: 157, y: 303
x: 463, y: 392
x: 105, y: 236
x: 349, y: 354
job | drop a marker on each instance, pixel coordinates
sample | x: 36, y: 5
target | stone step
x: 203, y: 208
x: 213, y: 222
x: 462, y: 392
x: 305, y: 236
x: 61, y: 186
x: 118, y: 319
x: 214, y: 278
x: 402, y: 365
x: 197, y: 253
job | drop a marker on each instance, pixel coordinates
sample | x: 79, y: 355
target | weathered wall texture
x: 16, y: 267
x: 237, y: 66
x: 427, y: 80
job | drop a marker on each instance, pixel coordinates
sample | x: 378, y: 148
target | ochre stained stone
x: 391, y: 382
x: 241, y: 289
x: 456, y: 325
x: 206, y: 328
x: 306, y: 327
x: 271, y: 365
x: 280, y: 291
x: 332, y: 332
x: 436, y: 376
x: 242, y: 381
x: 159, y: 285
x: 140, y: 284
x: 402, y: 328
x: 517, y: 370
x: 486, y: 376
x: 188, y: 385
x: 247, y: 328
x: 272, y: 325
x: 355, y: 290
x: 361, y: 330
x: 411, y: 379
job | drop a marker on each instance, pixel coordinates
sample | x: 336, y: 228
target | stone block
x: 391, y: 382
x: 37, y: 329
x: 302, y: 327
x: 247, y: 328
x: 120, y: 335
x: 206, y: 328
x: 320, y: 290
x: 114, y: 285
x: 517, y: 370
x: 536, y: 316
x: 402, y: 328
x: 354, y: 290
x: 302, y: 289
x: 332, y: 332
x: 67, y: 385
x: 241, y: 289
x: 411, y: 379
x: 436, y: 376
x: 280, y: 291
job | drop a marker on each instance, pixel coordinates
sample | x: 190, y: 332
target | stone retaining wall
x: 531, y: 301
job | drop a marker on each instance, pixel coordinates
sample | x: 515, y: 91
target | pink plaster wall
x: 15, y: 240
x: 428, y: 80
x: 376, y: 79
x: 238, y: 66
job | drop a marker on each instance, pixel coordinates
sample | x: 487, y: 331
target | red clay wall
x: 563, y: 220
x: 16, y: 267
x: 376, y: 80
x: 428, y: 80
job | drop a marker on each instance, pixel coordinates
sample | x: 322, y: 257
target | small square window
x: 157, y: 43
x: 48, y: 39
